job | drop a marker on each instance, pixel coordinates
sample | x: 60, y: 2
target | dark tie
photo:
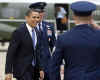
x: 39, y: 27
x: 40, y: 30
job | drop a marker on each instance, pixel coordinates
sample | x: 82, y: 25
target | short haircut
x: 29, y: 11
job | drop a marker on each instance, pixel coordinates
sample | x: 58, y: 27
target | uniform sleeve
x: 56, y: 61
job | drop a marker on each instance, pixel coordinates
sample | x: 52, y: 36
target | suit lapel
x: 27, y: 35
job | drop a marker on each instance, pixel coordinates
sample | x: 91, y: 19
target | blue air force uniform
x: 79, y: 47
x: 47, y: 39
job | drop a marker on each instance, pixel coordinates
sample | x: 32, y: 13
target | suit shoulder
x: 48, y: 23
x: 66, y: 33
x: 45, y: 22
x: 20, y: 28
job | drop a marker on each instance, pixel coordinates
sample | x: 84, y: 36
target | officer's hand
x: 8, y: 77
x: 41, y: 75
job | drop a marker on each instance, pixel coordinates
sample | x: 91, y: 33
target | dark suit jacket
x: 20, y: 52
x: 45, y: 54
x: 80, y: 48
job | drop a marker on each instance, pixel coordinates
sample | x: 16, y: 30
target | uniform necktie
x: 40, y: 30
x: 39, y: 27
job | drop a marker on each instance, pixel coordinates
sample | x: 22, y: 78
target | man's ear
x: 74, y: 17
x: 26, y: 17
x: 91, y: 17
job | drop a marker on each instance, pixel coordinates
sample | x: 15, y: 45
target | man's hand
x: 8, y: 77
x: 41, y: 75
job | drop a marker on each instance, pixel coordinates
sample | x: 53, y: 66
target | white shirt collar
x: 30, y: 31
x: 29, y: 27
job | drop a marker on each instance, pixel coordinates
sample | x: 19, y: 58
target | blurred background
x: 12, y: 15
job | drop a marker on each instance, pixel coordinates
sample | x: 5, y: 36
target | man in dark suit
x: 47, y: 34
x: 79, y: 47
x: 23, y: 56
